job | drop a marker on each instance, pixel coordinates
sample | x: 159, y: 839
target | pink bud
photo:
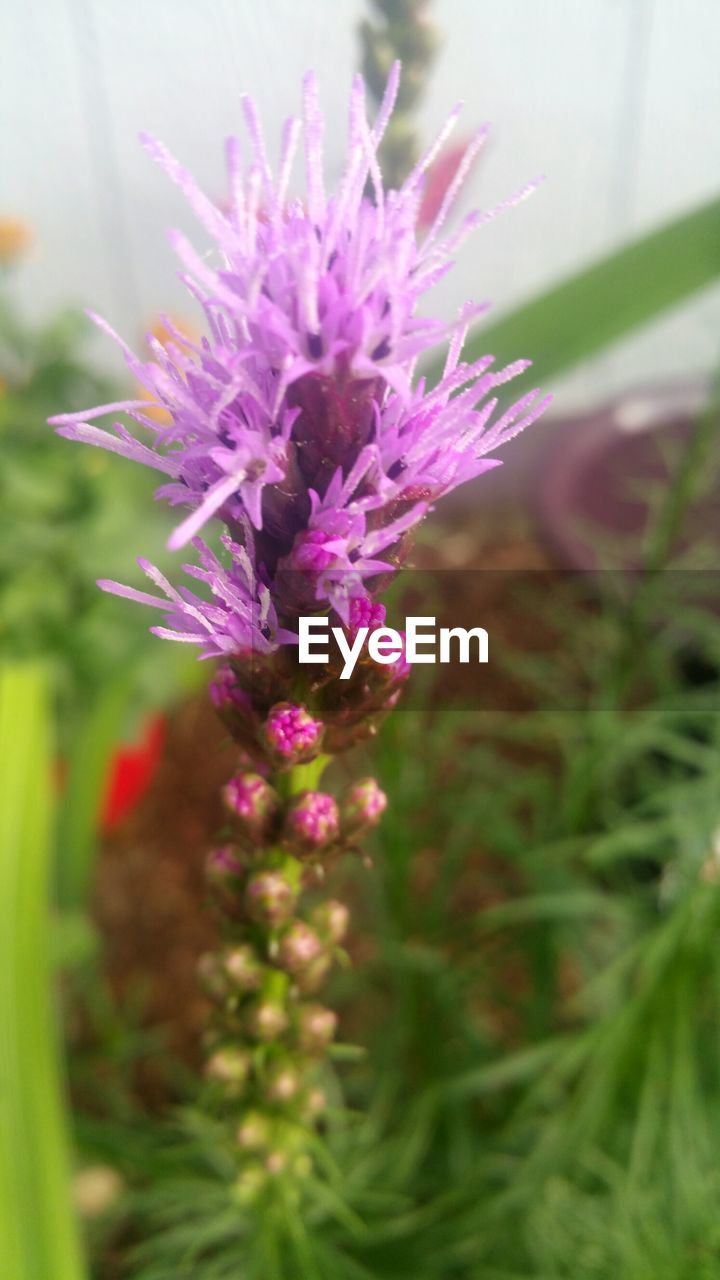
x: 225, y: 692
x: 228, y: 1066
x: 242, y: 968
x: 266, y: 1019
x: 313, y: 1104
x: 276, y: 1162
x: 313, y: 551
x: 291, y: 734
x: 311, y: 822
x: 361, y: 808
x: 316, y: 1027
x: 331, y: 919
x: 223, y: 868
x: 365, y: 612
x: 253, y: 803
x: 270, y: 898
x: 299, y: 947
x: 253, y: 1132
x: 283, y: 1083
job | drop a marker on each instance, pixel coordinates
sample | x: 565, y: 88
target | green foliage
x: 67, y: 516
x: 37, y: 1229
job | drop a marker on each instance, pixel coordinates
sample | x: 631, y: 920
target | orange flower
x: 15, y: 240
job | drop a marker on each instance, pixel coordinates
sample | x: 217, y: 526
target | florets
x: 298, y: 419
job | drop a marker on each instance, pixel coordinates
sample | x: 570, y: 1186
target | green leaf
x: 38, y: 1235
x: 578, y: 318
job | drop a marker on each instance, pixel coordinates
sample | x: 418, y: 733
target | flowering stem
x: 268, y: 1035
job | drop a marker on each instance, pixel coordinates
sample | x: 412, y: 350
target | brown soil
x: 150, y: 887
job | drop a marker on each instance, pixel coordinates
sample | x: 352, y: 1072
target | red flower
x: 132, y: 769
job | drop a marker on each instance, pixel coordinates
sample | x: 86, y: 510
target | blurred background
x: 615, y: 101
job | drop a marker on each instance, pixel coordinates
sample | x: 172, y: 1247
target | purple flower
x: 240, y: 616
x: 298, y: 420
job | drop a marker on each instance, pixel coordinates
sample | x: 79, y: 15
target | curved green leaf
x: 579, y: 317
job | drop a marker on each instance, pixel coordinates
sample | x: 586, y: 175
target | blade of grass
x: 598, y: 306
x: 38, y: 1233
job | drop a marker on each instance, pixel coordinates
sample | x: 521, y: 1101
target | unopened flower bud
x: 253, y: 803
x: 311, y: 822
x: 270, y: 898
x: 365, y: 612
x: 266, y: 1019
x: 331, y: 919
x: 223, y: 868
x: 316, y: 1027
x: 225, y: 692
x: 361, y: 808
x: 291, y: 735
x: 242, y: 967
x: 253, y: 1132
x: 228, y: 1066
x: 283, y: 1083
x: 299, y: 946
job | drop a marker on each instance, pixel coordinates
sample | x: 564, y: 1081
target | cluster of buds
x: 270, y: 1032
x: 254, y: 697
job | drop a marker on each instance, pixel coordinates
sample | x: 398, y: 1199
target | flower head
x: 298, y: 420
